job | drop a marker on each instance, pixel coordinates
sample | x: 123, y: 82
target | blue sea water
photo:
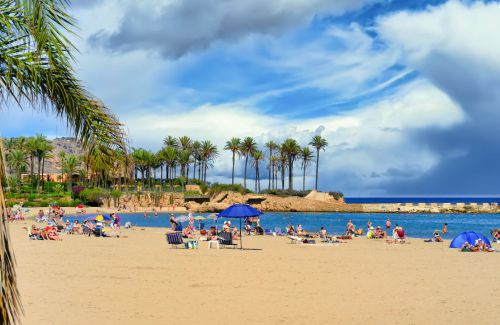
x: 416, y: 225
x: 422, y: 200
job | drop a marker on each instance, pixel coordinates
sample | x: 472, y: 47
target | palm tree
x: 282, y: 165
x: 209, y: 153
x: 247, y: 147
x: 184, y: 161
x: 71, y: 164
x: 271, y: 145
x: 234, y: 146
x: 170, y: 141
x: 291, y: 149
x: 306, y: 155
x: 319, y: 143
x: 170, y: 156
x: 257, y: 156
x: 62, y: 156
x: 18, y: 161
x: 274, y: 167
x: 196, y: 147
x: 31, y: 146
x: 47, y: 153
x: 37, y: 69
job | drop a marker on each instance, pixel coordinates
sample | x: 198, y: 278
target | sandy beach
x: 138, y: 279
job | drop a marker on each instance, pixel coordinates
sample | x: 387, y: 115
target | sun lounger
x: 226, y: 240
x: 278, y: 231
x: 295, y: 239
x: 175, y: 239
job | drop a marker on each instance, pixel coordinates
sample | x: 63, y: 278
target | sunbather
x: 52, y: 234
x: 379, y: 233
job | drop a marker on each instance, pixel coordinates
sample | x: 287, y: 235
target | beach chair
x: 226, y: 239
x: 86, y: 230
x: 175, y: 239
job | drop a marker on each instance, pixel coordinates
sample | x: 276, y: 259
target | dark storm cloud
x: 191, y: 25
x: 470, y: 152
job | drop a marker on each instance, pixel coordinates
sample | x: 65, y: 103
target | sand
x: 141, y: 280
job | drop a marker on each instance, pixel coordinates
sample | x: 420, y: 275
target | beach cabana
x: 470, y: 237
x: 240, y: 211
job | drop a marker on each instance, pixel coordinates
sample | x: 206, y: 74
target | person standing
x: 388, y: 223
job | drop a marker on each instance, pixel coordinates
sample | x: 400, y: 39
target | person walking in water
x: 445, y: 229
x: 388, y: 223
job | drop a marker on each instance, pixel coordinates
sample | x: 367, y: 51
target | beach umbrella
x: 470, y: 237
x: 99, y: 218
x: 240, y: 211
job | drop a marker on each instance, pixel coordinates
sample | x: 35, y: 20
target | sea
x: 428, y: 199
x: 416, y: 225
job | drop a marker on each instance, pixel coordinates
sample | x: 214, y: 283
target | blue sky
x: 404, y: 91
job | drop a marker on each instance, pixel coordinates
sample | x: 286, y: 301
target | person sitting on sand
x: 212, y: 233
x: 466, y: 247
x: 300, y: 230
x: 350, y: 228
x: 76, y: 228
x: 188, y: 232
x: 495, y: 233
x: 371, y: 233
x: 248, y: 229
x: 401, y: 234
x: 322, y: 233
x: 290, y: 230
x: 68, y: 227
x: 379, y: 233
x: 437, y: 236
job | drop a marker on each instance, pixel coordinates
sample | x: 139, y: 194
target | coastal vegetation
x: 181, y: 161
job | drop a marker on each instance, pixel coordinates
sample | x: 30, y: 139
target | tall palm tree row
x: 37, y: 69
x: 233, y: 145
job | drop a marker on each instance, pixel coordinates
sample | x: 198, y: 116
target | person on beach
x: 379, y: 233
x: 116, y: 221
x: 437, y: 236
x: 388, y: 223
x: 290, y: 230
x: 445, y: 229
x: 173, y: 223
x: 368, y: 224
x: 350, y: 229
x: 76, y: 228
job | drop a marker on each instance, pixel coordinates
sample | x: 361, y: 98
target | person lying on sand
x: 52, y: 234
x: 482, y: 246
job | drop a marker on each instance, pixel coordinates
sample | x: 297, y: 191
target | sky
x: 406, y: 92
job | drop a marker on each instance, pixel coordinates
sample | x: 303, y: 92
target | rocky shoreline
x: 313, y: 202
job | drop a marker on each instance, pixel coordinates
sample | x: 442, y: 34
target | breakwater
x: 426, y: 207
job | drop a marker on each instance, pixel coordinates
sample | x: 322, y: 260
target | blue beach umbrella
x: 470, y: 237
x: 240, y: 211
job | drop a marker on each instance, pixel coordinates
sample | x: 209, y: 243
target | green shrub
x: 216, y: 188
x: 32, y: 197
x: 93, y: 196
x: 336, y: 195
x: 285, y: 193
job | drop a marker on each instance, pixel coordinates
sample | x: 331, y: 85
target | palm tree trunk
x: 232, y: 175
x: 245, y: 178
x: 282, y: 176
x: 290, y: 174
x: 258, y: 179
x: 317, y: 166
x: 304, y: 178
x: 39, y: 172
x: 270, y: 166
x: 43, y: 167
